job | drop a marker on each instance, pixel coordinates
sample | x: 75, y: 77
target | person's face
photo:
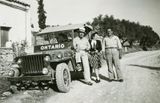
x: 110, y: 32
x: 94, y: 37
x: 53, y: 36
x: 81, y: 35
x: 76, y: 34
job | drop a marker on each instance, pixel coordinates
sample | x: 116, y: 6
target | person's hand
x: 120, y: 56
x: 77, y: 50
x: 104, y: 56
x: 86, y: 50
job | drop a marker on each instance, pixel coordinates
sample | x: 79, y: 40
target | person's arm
x: 119, y: 48
x: 99, y: 45
x: 103, y: 48
x: 120, y: 53
x: 74, y: 43
x: 88, y: 46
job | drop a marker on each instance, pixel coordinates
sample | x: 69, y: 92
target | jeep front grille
x: 32, y: 64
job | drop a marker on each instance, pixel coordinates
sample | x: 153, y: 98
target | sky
x: 62, y: 12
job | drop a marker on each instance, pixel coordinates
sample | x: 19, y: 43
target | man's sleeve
x: 74, y: 43
x: 103, y: 45
x: 88, y: 45
x: 119, y: 43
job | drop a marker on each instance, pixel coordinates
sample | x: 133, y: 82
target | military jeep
x: 52, y: 60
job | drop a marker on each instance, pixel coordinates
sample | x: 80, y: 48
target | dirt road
x: 141, y: 84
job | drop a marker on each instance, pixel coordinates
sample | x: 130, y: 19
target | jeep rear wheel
x: 63, y: 77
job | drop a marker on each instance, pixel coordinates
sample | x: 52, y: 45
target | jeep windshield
x: 53, y: 38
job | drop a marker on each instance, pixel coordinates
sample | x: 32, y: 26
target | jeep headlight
x: 45, y: 71
x: 59, y: 56
x: 47, y: 58
x: 11, y: 73
x: 19, y: 61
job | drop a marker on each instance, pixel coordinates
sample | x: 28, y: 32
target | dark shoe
x: 120, y: 80
x: 97, y: 81
x: 110, y: 80
x: 89, y: 83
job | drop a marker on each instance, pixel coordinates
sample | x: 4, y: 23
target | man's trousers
x: 112, y: 58
x: 82, y: 56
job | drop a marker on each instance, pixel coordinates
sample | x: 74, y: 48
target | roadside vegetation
x: 131, y: 32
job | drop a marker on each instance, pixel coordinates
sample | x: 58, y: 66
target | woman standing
x: 95, y: 59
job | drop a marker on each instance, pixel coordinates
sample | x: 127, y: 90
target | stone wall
x: 6, y: 58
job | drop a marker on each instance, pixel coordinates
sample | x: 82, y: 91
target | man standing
x: 81, y: 45
x: 112, y: 49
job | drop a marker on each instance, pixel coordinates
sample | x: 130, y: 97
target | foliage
x: 127, y: 31
x: 41, y: 15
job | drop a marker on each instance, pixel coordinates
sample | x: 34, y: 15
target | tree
x: 41, y: 15
x: 127, y: 31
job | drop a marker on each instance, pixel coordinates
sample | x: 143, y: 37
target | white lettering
x: 42, y: 48
x: 45, y: 48
x: 51, y: 47
x: 62, y: 45
x: 56, y: 46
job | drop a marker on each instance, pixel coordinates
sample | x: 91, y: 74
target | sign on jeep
x: 50, y: 47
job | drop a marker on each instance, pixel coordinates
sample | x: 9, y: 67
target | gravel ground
x: 141, y: 71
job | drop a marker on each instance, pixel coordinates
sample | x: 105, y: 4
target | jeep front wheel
x: 63, y: 77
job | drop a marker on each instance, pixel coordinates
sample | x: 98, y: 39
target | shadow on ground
x: 144, y: 66
x: 79, y: 75
x: 104, y: 78
x: 76, y: 75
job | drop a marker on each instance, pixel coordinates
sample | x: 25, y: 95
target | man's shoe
x: 110, y: 80
x: 120, y: 80
x: 97, y: 81
x: 89, y: 83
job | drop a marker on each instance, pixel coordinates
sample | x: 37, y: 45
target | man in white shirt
x: 112, y: 49
x: 81, y: 45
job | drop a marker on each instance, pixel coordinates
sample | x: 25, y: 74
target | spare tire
x: 63, y: 77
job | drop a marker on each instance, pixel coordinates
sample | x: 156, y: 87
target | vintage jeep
x: 51, y: 62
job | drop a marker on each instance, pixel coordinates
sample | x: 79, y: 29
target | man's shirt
x: 111, y: 42
x: 81, y: 44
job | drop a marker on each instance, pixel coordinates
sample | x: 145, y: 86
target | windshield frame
x: 48, y: 36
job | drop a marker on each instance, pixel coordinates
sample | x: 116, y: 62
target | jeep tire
x: 63, y: 77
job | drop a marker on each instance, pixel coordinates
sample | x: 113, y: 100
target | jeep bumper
x: 30, y: 78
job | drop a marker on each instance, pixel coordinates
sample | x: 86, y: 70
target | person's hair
x: 76, y: 30
x: 93, y: 35
x: 110, y: 28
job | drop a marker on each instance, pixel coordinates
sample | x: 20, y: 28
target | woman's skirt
x: 95, y: 60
